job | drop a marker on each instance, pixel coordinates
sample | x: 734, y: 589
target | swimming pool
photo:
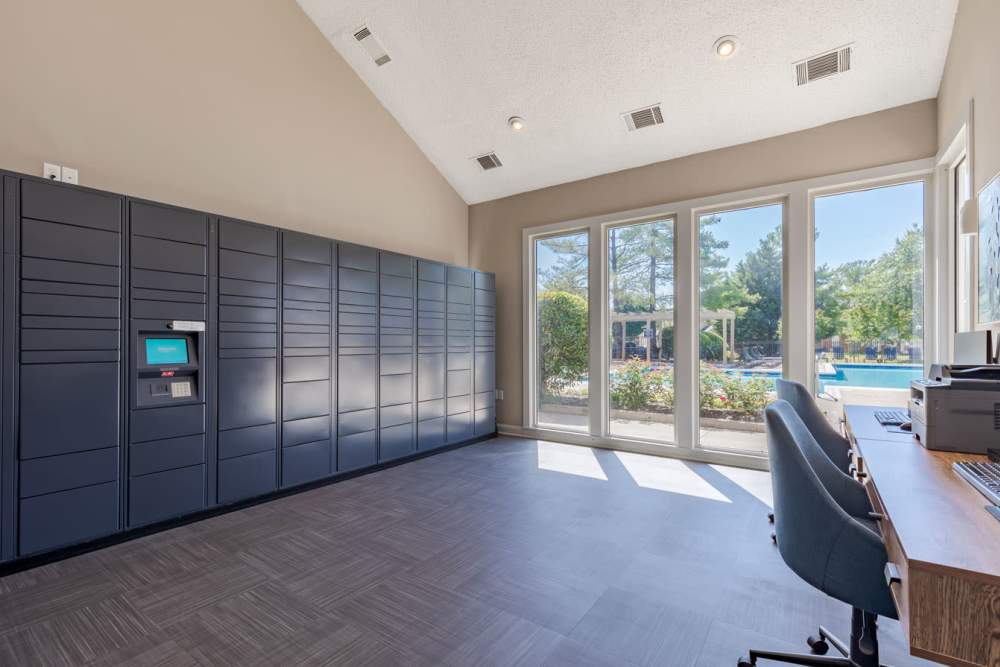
x: 877, y: 376
x: 882, y: 376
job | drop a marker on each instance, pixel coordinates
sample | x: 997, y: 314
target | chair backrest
x: 833, y: 444
x: 818, y: 540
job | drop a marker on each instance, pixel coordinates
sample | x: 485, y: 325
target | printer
x: 957, y: 409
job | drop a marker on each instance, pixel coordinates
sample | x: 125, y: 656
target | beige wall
x: 895, y: 135
x: 237, y: 107
x: 973, y: 71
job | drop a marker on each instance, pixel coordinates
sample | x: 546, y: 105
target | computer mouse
x: 906, y: 426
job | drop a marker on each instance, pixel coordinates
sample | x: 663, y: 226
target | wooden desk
x: 943, y: 542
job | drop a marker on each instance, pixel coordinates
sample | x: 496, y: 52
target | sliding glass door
x: 739, y: 325
x: 562, y: 331
x: 869, y: 294
x: 640, y: 330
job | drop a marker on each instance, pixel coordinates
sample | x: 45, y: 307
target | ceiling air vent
x: 372, y: 45
x: 823, y: 65
x: 488, y: 161
x: 645, y: 117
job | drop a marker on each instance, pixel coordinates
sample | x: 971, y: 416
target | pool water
x: 882, y: 376
x: 876, y: 376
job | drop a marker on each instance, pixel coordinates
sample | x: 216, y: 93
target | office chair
x: 825, y: 546
x: 833, y: 443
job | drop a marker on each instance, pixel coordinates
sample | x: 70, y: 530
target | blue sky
x: 851, y: 226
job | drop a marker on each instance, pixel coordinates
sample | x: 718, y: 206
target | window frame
x: 698, y: 214
x: 932, y: 319
x: 605, y: 351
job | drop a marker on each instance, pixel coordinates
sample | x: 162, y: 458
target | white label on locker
x: 187, y: 325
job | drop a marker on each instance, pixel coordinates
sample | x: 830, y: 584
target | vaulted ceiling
x: 459, y: 69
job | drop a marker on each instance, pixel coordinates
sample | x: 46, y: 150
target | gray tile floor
x: 506, y: 552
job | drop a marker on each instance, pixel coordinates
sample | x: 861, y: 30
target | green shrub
x: 562, y: 338
x: 635, y: 386
x: 709, y: 344
x: 748, y: 395
x: 721, y: 391
x: 710, y: 388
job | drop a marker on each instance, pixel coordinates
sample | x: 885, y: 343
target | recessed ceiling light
x: 515, y: 123
x: 726, y: 47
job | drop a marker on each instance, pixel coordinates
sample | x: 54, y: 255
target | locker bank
x: 162, y: 363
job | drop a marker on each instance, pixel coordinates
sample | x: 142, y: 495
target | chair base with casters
x: 863, y: 651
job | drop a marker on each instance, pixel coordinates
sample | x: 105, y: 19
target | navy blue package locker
x: 8, y: 338
x: 397, y: 356
x: 247, y: 385
x: 431, y: 307
x: 169, y: 362
x: 484, y: 361
x: 459, y: 355
x: 244, y: 359
x: 307, y: 451
x: 357, y: 357
x: 70, y: 425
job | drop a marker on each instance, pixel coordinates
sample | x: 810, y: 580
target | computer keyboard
x: 984, y: 477
x: 892, y: 417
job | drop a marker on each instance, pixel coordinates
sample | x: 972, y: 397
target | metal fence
x: 882, y: 351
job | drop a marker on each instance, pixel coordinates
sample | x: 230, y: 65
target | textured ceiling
x: 460, y: 68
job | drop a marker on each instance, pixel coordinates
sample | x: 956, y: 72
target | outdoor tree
x: 885, y: 300
x: 562, y: 339
x: 758, y: 275
x: 568, y: 273
x: 830, y: 304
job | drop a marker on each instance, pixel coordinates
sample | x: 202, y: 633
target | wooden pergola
x: 727, y: 317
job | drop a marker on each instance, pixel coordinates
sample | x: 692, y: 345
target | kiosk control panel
x: 168, y: 368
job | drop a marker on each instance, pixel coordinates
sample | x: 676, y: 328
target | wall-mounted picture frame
x: 988, y: 312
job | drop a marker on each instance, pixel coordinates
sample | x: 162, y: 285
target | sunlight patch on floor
x: 569, y: 459
x: 671, y: 475
x: 755, y: 482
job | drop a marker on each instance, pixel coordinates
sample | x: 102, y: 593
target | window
x: 640, y: 328
x: 739, y: 332
x: 869, y: 284
x: 663, y: 330
x: 562, y: 331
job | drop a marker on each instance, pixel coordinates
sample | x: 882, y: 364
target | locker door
x: 431, y: 346
x: 357, y: 357
x: 459, y: 357
x: 397, y: 435
x: 484, y: 366
x: 70, y: 365
x: 307, y: 399
x: 248, y: 360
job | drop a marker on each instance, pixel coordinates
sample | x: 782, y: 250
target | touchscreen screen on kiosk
x: 166, y: 351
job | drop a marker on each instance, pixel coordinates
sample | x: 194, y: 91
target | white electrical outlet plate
x: 53, y: 172
x: 70, y: 175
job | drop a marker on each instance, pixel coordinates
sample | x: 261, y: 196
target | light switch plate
x: 53, y: 172
x: 70, y: 175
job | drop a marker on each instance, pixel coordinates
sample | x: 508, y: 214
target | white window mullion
x: 798, y: 331
x: 686, y: 308
x: 597, y: 385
